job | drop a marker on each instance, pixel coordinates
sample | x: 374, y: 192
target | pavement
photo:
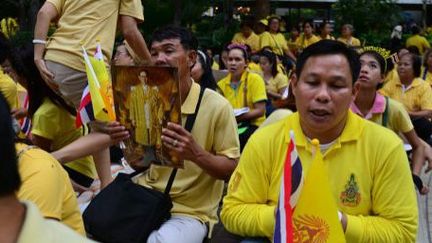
x: 424, y: 234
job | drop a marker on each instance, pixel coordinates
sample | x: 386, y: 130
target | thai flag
x: 25, y: 122
x: 85, y: 112
x: 291, y: 182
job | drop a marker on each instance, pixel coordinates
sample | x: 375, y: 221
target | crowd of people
x: 362, y: 103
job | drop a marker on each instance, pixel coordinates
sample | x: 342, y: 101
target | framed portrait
x: 146, y: 98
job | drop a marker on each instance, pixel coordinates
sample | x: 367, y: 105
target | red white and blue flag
x: 291, y: 183
x: 85, y: 112
x: 25, y: 122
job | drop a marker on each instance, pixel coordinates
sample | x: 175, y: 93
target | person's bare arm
x: 420, y: 114
x: 133, y: 36
x: 258, y: 111
x: 46, y: 14
x: 220, y: 167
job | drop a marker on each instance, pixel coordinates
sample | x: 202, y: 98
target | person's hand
x: 116, y: 131
x: 46, y: 75
x: 181, y: 142
x: 428, y: 157
x: 19, y: 113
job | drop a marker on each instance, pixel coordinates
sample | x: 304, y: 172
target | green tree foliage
x: 372, y: 19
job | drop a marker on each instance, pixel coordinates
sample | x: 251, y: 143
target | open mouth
x: 319, y: 114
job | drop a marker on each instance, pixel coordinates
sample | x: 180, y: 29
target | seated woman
x: 413, y: 93
x: 307, y: 38
x: 276, y: 82
x: 202, y: 71
x: 44, y: 182
x: 245, y: 91
x: 53, y: 121
x: 386, y: 111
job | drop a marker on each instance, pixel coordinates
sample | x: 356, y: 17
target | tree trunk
x: 178, y: 12
x: 228, y: 6
x: 261, y: 9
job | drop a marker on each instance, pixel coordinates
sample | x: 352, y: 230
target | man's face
x: 323, y: 94
x: 307, y: 29
x: 246, y: 31
x: 171, y: 53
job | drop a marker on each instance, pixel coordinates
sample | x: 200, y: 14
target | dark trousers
x: 423, y: 128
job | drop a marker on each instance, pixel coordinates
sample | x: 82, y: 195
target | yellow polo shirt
x: 9, y: 89
x: 417, y: 97
x: 194, y: 192
x: 275, y: 84
x: 418, y: 41
x: 56, y: 124
x: 252, y: 41
x: 36, y: 229
x: 277, y: 42
x: 369, y: 176
x: 352, y: 42
x: 45, y: 183
x: 302, y: 42
x: 82, y: 23
x: 255, y: 89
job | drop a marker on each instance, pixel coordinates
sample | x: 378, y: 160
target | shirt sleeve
x: 426, y: 98
x: 58, y: 4
x: 394, y: 215
x: 226, y: 139
x: 258, y: 90
x: 132, y: 8
x: 281, y: 81
x: 245, y: 210
x: 265, y: 40
x: 401, y: 116
x: 41, y: 184
x: 45, y: 124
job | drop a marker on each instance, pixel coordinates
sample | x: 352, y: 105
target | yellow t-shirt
x: 9, y: 89
x: 398, y: 119
x: 37, y: 229
x: 416, y: 97
x: 215, y: 66
x: 252, y: 41
x: 350, y: 42
x: 255, y: 89
x: 369, y: 173
x: 418, y: 41
x: 277, y: 42
x: 45, y: 183
x: 56, y: 124
x: 302, y: 42
x: 194, y: 192
x: 275, y: 84
x: 82, y: 23
x: 392, y: 76
x: 256, y: 68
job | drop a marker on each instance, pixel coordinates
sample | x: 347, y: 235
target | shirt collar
x: 191, y: 101
x: 378, y: 107
x: 352, y: 130
x: 415, y: 82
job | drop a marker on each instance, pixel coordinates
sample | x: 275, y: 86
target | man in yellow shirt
x: 21, y: 221
x: 417, y: 40
x: 246, y: 36
x: 347, y: 38
x: 209, y: 151
x: 370, y: 175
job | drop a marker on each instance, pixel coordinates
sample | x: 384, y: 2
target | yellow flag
x: 105, y: 87
x: 315, y: 217
x: 99, y: 87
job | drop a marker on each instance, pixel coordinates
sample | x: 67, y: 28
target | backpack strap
x: 190, y: 121
x: 385, y: 114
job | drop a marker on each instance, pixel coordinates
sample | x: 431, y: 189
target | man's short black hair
x: 330, y: 47
x: 186, y: 37
x: 9, y: 177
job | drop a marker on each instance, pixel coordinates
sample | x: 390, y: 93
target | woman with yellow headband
x: 245, y: 91
x: 387, y: 112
